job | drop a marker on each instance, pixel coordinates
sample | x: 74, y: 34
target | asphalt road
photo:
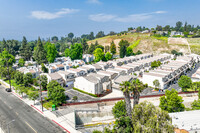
x: 27, y: 120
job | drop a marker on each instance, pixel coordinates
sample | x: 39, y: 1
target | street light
x: 8, y: 125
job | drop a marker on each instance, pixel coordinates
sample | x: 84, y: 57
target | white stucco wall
x: 82, y: 84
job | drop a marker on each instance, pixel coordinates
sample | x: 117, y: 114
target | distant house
x: 96, y: 67
x: 77, y: 72
x: 145, y: 31
x: 68, y: 77
x: 87, y: 69
x: 133, y: 31
x: 118, y: 71
x: 119, y: 80
x: 88, y: 58
x: 54, y: 76
x: 111, y: 75
x: 176, y: 33
x: 162, y: 32
x: 32, y: 69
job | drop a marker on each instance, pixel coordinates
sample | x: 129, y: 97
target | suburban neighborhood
x: 97, y: 66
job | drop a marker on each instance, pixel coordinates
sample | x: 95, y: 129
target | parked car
x: 8, y: 89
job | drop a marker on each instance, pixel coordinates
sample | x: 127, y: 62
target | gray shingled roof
x: 55, y: 76
x: 92, y: 79
x: 124, y: 78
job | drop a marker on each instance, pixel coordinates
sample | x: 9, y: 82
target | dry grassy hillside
x: 150, y: 44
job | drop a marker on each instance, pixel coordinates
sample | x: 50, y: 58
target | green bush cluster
x: 85, y: 92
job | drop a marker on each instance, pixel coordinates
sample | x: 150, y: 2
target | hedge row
x: 85, y: 92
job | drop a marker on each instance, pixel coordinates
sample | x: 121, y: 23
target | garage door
x: 70, y: 83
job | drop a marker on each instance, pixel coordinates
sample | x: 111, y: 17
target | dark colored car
x: 8, y: 89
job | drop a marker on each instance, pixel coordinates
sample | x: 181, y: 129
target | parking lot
x: 81, y: 96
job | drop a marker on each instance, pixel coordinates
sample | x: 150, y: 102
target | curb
x: 37, y: 109
x: 61, y: 126
x: 17, y: 95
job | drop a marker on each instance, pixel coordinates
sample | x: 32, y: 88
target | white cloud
x: 54, y: 15
x: 94, y: 1
x: 130, y: 18
x: 101, y: 17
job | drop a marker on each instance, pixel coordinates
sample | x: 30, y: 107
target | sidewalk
x: 64, y: 122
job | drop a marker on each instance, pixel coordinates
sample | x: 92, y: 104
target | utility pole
x: 41, y: 93
x: 40, y: 89
x: 8, y: 73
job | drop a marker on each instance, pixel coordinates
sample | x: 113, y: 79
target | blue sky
x: 46, y: 18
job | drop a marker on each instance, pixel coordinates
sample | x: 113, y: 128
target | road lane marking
x: 30, y: 127
x: 16, y: 113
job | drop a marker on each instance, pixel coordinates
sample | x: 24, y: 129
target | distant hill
x: 151, y: 44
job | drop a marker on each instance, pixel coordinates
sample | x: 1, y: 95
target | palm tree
x: 125, y: 88
x: 137, y: 87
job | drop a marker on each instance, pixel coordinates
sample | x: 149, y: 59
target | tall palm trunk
x: 128, y: 103
x: 136, y: 98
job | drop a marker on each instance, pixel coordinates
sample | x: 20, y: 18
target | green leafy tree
x: 19, y: 78
x: 185, y: 82
x: 171, y: 102
x: 27, y: 78
x: 99, y: 46
x: 71, y: 35
x: 149, y: 119
x: 51, y: 52
x: 99, y: 54
x: 123, y: 123
x: 40, y: 53
x: 125, y: 88
x: 146, y: 118
x: 43, y: 81
x: 156, y: 83
x: 76, y: 51
x: 107, y: 48
x: 100, y: 34
x: 7, y: 60
x: 196, y: 86
x: 44, y: 69
x: 21, y: 62
x: 112, y: 48
x: 129, y: 51
x: 119, y: 110
x: 108, y: 56
x: 33, y: 95
x: 91, y: 48
x: 25, y: 50
x: 84, y: 45
x: 179, y: 24
x: 21, y: 89
x: 196, y: 105
x: 123, y: 44
x: 54, y: 39
x: 56, y: 93
x: 67, y: 52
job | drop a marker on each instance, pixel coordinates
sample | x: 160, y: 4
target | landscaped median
x: 93, y: 95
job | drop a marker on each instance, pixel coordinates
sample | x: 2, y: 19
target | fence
x: 121, y: 98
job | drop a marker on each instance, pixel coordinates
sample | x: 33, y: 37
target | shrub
x: 196, y: 105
